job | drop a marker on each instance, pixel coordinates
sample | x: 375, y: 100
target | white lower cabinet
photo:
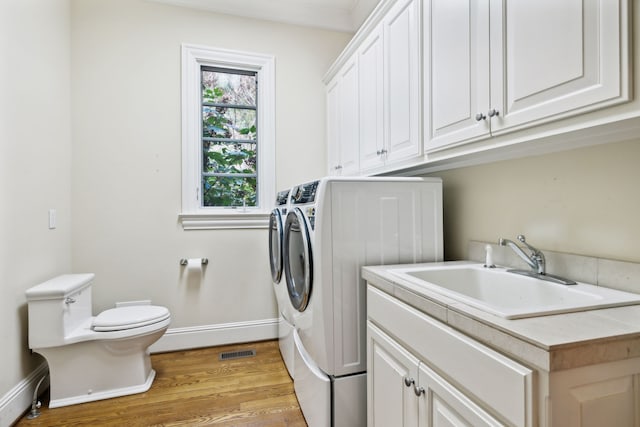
x: 437, y: 375
x: 600, y: 395
x: 405, y: 392
x: 443, y: 405
x: 392, y: 372
x: 422, y: 372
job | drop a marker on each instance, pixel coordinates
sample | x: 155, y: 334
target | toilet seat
x: 135, y: 316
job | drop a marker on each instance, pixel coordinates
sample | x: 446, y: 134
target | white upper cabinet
x: 333, y: 156
x: 551, y: 58
x: 390, y: 88
x: 457, y: 77
x: 401, y: 28
x: 371, y: 99
x: 493, y: 66
x: 451, y: 78
x: 379, y: 86
x: 342, y: 120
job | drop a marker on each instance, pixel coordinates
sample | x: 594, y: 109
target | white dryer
x: 334, y: 227
x: 285, y: 309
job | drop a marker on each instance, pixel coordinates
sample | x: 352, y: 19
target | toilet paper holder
x: 203, y: 261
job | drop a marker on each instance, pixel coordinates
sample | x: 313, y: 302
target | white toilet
x: 91, y: 358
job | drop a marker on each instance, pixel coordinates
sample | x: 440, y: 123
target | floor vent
x: 228, y: 355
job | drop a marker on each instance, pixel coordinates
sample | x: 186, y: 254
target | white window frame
x: 193, y: 215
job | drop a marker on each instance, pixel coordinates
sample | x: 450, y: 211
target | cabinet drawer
x: 497, y: 382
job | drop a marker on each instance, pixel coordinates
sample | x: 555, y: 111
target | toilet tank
x: 57, y: 307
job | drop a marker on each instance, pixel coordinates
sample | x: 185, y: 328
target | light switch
x: 52, y: 219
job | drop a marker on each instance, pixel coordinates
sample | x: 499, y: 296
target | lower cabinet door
x: 442, y: 405
x: 392, y: 374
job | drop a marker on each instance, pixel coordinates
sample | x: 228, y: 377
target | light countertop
x: 552, y: 342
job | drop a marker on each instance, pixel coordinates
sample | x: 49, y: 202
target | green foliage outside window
x: 229, y: 161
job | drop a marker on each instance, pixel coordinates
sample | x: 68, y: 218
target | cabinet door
x: 456, y: 62
x: 370, y: 68
x: 390, y: 401
x: 442, y: 405
x: 498, y: 382
x: 401, y: 28
x: 597, y: 395
x: 333, y: 142
x: 348, y: 110
x: 551, y: 59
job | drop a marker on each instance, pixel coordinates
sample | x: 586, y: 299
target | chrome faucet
x: 535, y: 260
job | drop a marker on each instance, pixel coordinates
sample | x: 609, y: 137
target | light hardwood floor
x: 194, y: 388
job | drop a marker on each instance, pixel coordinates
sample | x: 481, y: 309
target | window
x: 229, y: 112
x: 228, y: 143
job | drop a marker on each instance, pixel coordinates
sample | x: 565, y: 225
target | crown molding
x: 336, y: 15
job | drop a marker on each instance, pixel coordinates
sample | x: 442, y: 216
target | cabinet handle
x: 418, y: 390
x: 338, y: 167
x: 493, y: 113
x: 409, y: 381
x: 480, y: 117
x: 381, y: 152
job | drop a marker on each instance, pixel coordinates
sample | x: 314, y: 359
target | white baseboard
x: 14, y: 403
x: 213, y: 335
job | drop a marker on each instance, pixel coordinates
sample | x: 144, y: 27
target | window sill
x: 223, y: 221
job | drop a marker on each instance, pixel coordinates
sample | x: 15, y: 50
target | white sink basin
x: 510, y: 295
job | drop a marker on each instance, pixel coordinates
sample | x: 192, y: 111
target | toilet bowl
x: 91, y: 357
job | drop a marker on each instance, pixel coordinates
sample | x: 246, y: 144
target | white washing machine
x: 285, y: 309
x: 334, y: 227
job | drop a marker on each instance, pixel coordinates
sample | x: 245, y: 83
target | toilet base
x: 102, y: 369
x: 107, y: 394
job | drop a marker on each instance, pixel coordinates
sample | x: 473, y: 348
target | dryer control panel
x: 304, y: 193
x: 282, y: 198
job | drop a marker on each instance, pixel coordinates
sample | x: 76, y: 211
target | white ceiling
x: 339, y: 15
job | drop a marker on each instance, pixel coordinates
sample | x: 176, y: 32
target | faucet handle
x: 522, y: 239
x: 536, y: 255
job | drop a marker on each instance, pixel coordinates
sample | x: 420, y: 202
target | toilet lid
x: 135, y: 316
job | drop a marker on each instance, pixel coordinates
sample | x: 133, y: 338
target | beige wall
x: 585, y: 201
x: 90, y: 123
x: 127, y: 147
x: 35, y: 166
